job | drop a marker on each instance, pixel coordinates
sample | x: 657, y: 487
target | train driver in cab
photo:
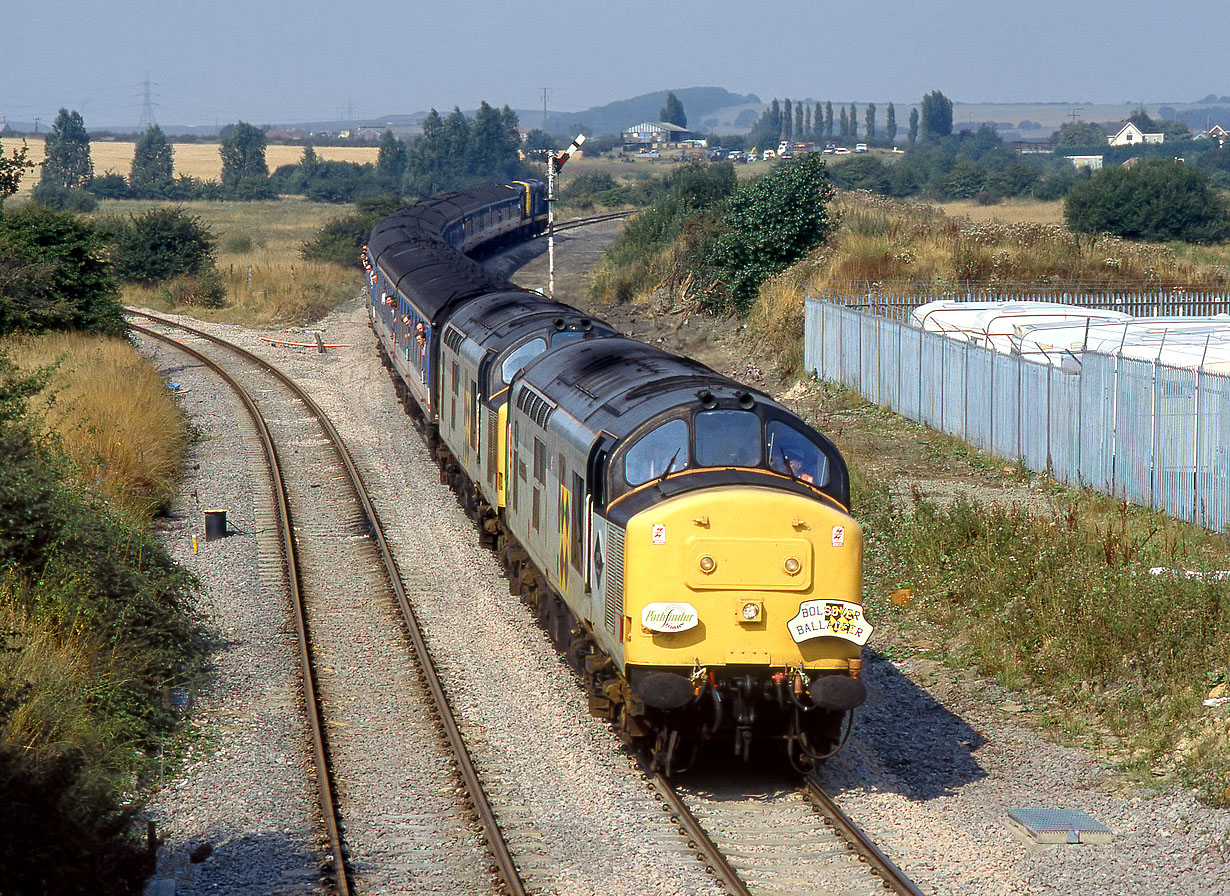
x: 794, y: 454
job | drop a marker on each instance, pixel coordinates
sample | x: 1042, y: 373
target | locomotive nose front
x: 745, y: 576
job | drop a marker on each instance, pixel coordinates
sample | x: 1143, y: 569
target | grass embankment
x: 268, y: 282
x: 94, y: 620
x: 110, y: 413
x: 1062, y: 608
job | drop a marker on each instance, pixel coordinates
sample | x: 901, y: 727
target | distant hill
x: 707, y: 108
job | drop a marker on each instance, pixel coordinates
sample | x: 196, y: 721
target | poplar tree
x: 787, y: 119
x: 153, y: 161
x: 913, y: 126
x: 890, y: 123
x: 828, y: 120
x: 870, y: 119
x: 68, y: 162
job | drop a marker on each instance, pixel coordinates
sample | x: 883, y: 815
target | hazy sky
x: 270, y: 62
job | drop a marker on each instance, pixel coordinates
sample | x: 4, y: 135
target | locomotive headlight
x: 707, y: 564
x: 792, y: 566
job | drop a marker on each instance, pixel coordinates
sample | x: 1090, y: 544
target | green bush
x: 66, y: 199
x: 161, y: 244
x: 1155, y: 199
x: 93, y: 625
x: 769, y: 224
x: 54, y: 274
x: 110, y: 186
x: 341, y: 239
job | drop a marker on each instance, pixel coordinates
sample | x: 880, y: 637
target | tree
x: 775, y: 116
x: 913, y: 126
x: 1155, y: 199
x: 828, y: 121
x: 391, y: 160
x: 936, y: 115
x: 807, y: 132
x: 161, y: 244
x: 853, y: 121
x: 799, y: 134
x: 817, y: 122
x: 54, y: 274
x: 787, y: 119
x: 68, y: 162
x: 1079, y: 133
x: 153, y: 162
x: 672, y: 112
x: 539, y: 141
x: 243, y: 156
x: 890, y: 123
x: 844, y: 123
x: 870, y: 119
x: 12, y: 169
x: 770, y: 223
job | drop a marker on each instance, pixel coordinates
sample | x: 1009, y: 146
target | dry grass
x: 199, y: 160
x: 113, y: 415
x: 1010, y: 211
x: 893, y: 247
x: 267, y: 281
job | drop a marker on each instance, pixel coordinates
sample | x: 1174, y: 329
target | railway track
x: 333, y: 573
x: 768, y: 840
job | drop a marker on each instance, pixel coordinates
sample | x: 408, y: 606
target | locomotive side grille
x: 535, y: 406
x: 493, y: 439
x: 452, y: 338
x: 613, y: 576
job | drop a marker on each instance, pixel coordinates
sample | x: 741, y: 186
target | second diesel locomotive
x: 687, y: 541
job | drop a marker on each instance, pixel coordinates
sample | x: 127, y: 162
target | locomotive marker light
x: 554, y: 164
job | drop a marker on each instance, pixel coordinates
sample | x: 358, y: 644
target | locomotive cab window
x: 727, y: 439
x: 521, y: 356
x: 791, y: 452
x: 657, y: 451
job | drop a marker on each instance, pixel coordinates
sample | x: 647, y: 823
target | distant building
x: 1130, y: 135
x: 1217, y: 132
x: 650, y: 134
x: 1093, y: 163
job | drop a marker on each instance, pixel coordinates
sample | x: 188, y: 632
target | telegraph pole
x: 554, y: 164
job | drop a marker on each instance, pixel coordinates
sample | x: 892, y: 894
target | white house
x: 1130, y: 135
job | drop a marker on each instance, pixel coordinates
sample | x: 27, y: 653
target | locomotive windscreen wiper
x: 667, y: 471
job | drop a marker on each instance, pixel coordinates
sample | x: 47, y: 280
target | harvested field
x: 200, y: 160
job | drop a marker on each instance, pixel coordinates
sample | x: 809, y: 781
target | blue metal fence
x: 1154, y: 435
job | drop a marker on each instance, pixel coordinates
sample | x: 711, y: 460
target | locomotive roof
x: 615, y: 384
x: 433, y: 275
x: 508, y: 314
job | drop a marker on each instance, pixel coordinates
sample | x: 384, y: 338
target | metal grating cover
x: 1058, y: 826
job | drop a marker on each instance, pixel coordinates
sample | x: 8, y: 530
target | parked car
x: 841, y: 151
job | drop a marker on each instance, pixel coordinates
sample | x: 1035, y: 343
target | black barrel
x: 215, y: 524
